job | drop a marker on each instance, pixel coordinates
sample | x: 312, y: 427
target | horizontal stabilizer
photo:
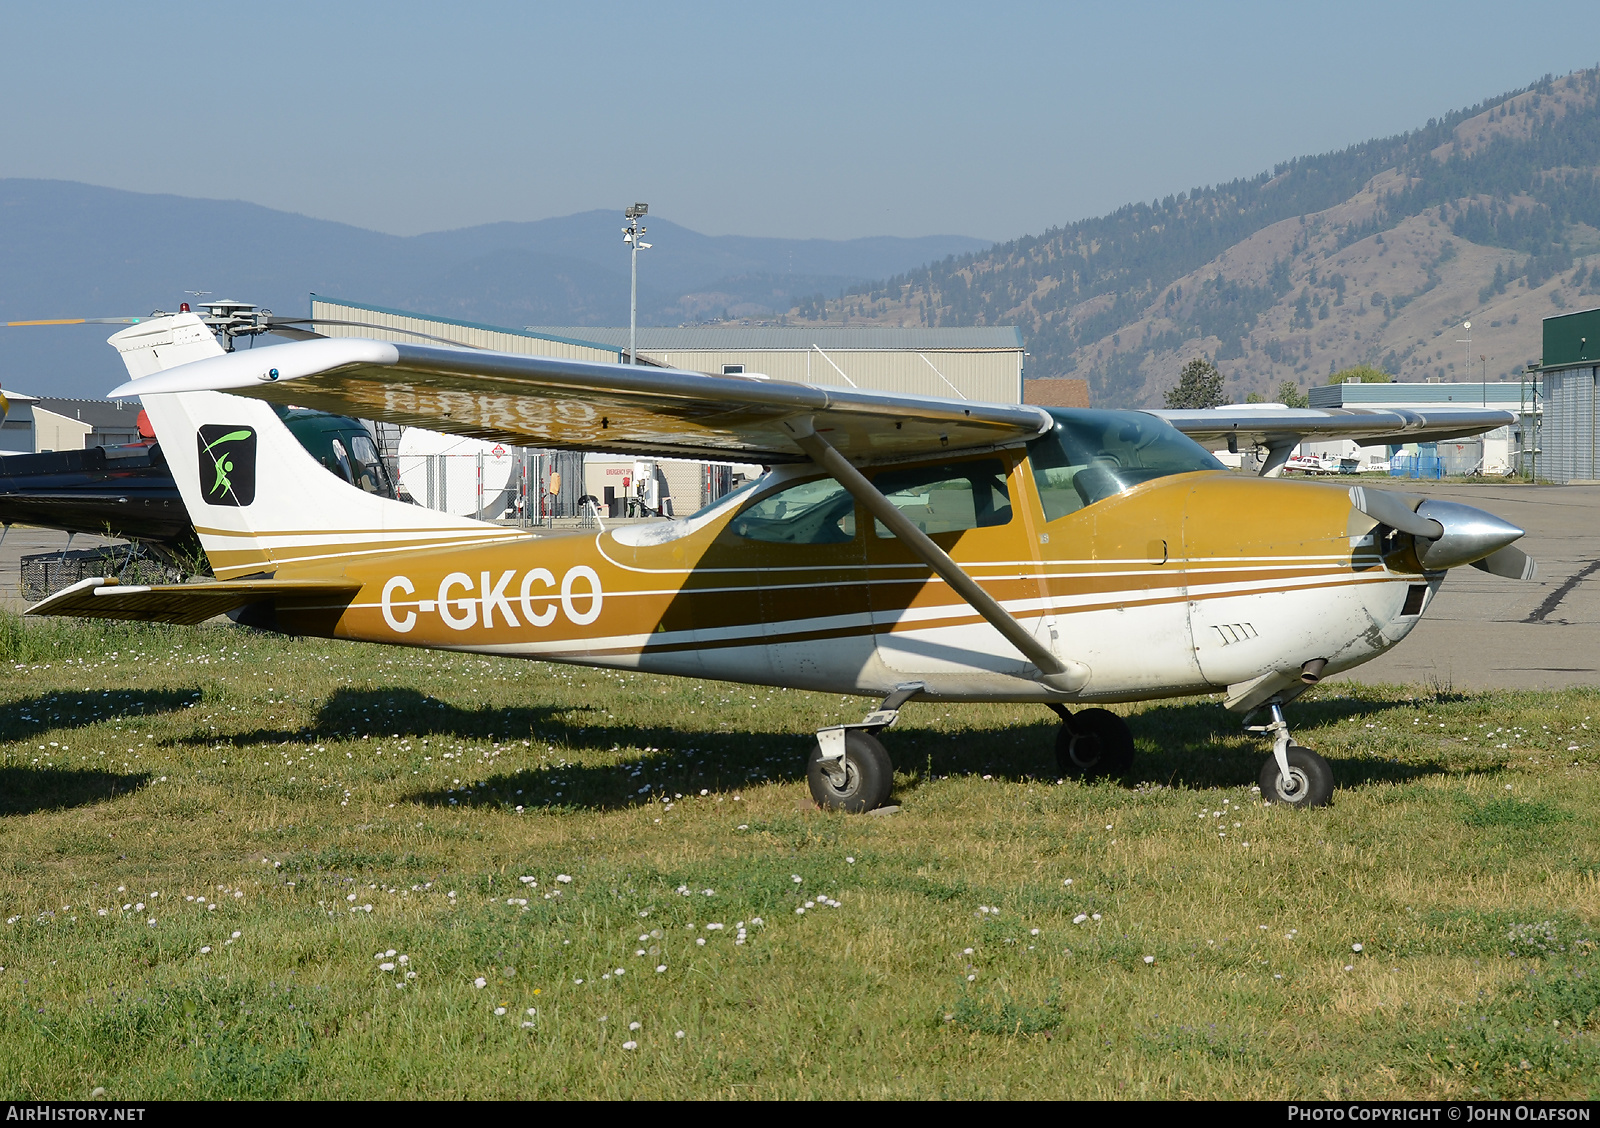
x: 187, y: 604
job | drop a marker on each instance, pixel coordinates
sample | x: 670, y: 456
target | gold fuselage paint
x: 1179, y: 586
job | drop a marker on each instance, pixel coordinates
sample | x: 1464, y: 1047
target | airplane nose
x: 1469, y: 534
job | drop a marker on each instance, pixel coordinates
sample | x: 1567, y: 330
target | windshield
x: 1094, y: 454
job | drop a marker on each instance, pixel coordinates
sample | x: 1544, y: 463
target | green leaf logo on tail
x: 227, y: 464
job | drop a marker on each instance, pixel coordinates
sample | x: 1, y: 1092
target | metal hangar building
x: 983, y: 363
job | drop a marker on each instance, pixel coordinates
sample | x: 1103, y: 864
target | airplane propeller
x: 1510, y: 562
x: 1449, y: 534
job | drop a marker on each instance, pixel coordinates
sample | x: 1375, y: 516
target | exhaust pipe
x: 1311, y: 672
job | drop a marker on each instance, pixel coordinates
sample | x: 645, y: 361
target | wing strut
x: 1055, y: 672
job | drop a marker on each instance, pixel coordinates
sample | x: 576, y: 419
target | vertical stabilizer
x: 260, y: 502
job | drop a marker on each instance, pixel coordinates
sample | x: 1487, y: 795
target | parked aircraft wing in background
x: 1272, y: 425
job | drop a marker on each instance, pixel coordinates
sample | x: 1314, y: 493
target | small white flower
x: 206, y: 950
x: 499, y: 1010
x: 1149, y: 959
x: 533, y: 1011
x: 633, y: 1026
x: 1033, y: 932
x: 564, y: 878
x: 971, y: 978
x: 755, y: 920
x: 660, y: 968
x: 1349, y: 967
x: 1068, y: 881
x: 679, y: 1034
x: 1096, y: 916
x: 481, y: 982
x: 700, y: 940
x: 630, y: 1045
x: 619, y: 971
x: 405, y: 959
x: 387, y: 965
x: 966, y: 951
x: 152, y: 920
x: 1355, y: 947
x: 1080, y: 918
x: 852, y: 861
x: 796, y: 878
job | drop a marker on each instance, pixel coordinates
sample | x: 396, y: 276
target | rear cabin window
x: 1092, y: 455
x: 815, y: 512
x: 949, y: 498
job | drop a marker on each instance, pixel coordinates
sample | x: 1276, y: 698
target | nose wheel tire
x: 1094, y: 742
x: 1310, y: 781
x: 868, y: 775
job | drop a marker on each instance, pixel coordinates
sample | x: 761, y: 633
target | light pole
x: 630, y: 236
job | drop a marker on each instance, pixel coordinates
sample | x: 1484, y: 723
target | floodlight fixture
x: 630, y: 236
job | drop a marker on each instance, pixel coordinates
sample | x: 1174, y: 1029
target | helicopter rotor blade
x: 74, y: 321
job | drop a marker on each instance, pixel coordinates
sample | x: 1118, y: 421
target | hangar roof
x: 724, y: 338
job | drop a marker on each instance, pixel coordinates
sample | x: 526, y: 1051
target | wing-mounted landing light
x: 1449, y: 534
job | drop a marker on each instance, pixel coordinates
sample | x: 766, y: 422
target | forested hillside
x: 1375, y: 254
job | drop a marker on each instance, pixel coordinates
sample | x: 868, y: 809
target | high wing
x: 573, y: 404
x: 1272, y: 425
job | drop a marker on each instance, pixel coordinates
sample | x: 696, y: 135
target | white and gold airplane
x: 898, y: 547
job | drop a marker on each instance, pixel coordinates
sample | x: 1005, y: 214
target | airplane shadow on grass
x: 1191, y: 745
x: 24, y: 791
x: 30, y: 717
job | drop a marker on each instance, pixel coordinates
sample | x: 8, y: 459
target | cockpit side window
x: 368, y: 466
x: 1092, y: 455
x: 948, y: 498
x: 341, y: 462
x: 815, y: 512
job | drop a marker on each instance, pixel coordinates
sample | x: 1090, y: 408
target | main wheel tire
x: 1310, y: 782
x: 869, y: 775
x: 1094, y: 742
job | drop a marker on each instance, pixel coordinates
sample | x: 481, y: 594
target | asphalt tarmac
x: 1482, y: 632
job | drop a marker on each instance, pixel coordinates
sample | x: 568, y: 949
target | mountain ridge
x: 69, y: 249
x: 1369, y: 254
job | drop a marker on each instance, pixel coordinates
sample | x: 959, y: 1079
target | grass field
x: 242, y: 866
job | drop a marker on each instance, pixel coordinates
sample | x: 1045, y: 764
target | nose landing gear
x: 1092, y: 743
x: 849, y: 768
x: 1292, y: 774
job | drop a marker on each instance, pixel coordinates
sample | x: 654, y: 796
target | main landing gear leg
x: 1293, y: 775
x: 849, y: 769
x: 1093, y: 742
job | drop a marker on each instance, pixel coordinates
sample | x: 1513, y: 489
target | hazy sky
x: 819, y: 119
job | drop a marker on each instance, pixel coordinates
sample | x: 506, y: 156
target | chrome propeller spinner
x: 1450, y: 534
